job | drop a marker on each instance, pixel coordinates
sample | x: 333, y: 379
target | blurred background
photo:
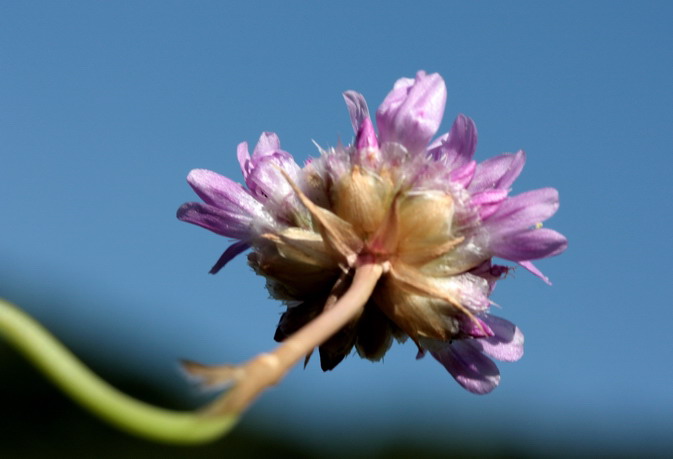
x: 106, y: 106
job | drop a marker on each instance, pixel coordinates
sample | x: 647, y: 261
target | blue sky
x: 105, y: 107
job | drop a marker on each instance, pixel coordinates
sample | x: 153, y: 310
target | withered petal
x: 335, y: 349
x: 336, y: 232
x: 302, y: 246
x: 422, y: 255
x: 417, y: 316
x: 374, y: 334
x: 425, y: 219
x: 296, y: 317
x: 362, y: 198
x: 413, y: 281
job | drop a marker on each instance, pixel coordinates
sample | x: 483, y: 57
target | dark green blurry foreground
x: 38, y: 421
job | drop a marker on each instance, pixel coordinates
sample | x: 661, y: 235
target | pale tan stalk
x: 267, y: 369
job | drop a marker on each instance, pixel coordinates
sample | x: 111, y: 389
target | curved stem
x: 128, y: 414
x: 182, y: 427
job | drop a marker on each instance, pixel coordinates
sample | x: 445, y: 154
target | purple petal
x: 472, y: 369
x: 265, y: 180
x: 436, y: 148
x: 232, y: 251
x: 492, y: 273
x: 458, y: 146
x: 487, y: 202
x: 475, y: 330
x: 498, y: 172
x: 529, y: 245
x: 507, y: 342
x: 267, y: 144
x: 472, y: 291
x: 412, y: 111
x: 463, y: 175
x: 524, y: 211
x: 366, y: 136
x: 217, y: 220
x: 243, y: 156
x: 357, y: 108
x: 219, y: 191
x: 526, y: 264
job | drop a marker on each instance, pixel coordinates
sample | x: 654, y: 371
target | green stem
x: 85, y: 387
x: 181, y: 427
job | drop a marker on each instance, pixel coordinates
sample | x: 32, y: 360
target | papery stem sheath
x: 268, y: 369
x: 93, y: 393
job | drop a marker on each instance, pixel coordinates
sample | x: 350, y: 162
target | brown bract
x: 370, y: 219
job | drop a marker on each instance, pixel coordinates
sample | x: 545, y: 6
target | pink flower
x: 422, y: 209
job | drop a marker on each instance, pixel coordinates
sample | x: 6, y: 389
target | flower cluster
x: 423, y: 209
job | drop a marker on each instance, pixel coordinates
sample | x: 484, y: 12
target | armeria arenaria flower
x: 423, y: 212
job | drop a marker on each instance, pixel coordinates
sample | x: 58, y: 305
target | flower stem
x: 268, y: 369
x: 180, y: 427
x: 93, y: 393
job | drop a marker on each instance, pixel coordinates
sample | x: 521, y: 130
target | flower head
x: 423, y: 210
